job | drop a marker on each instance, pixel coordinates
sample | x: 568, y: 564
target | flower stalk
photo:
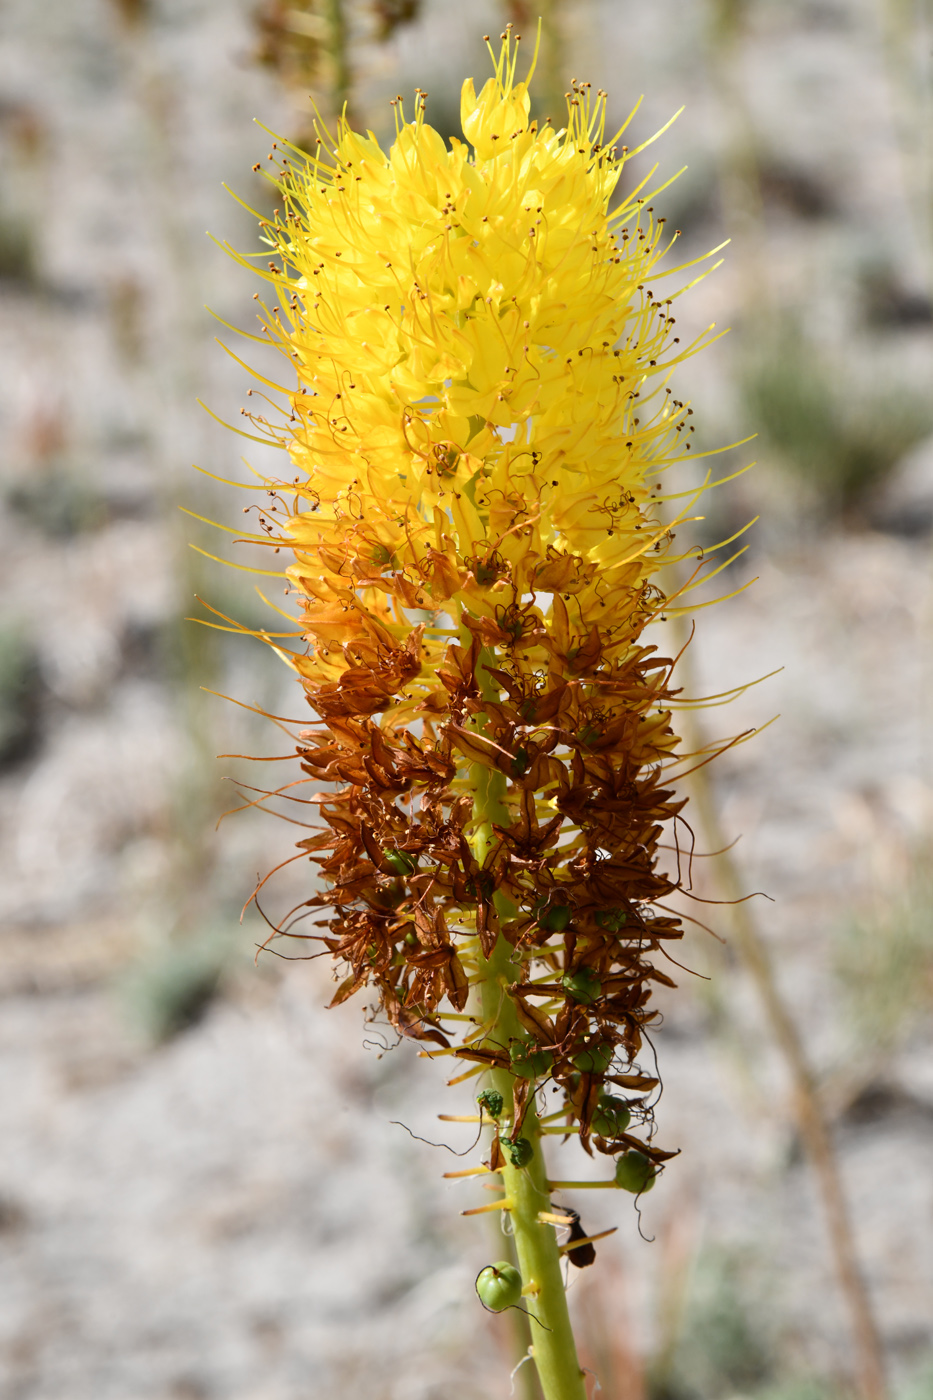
x: 553, y: 1346
x: 478, y: 434
x: 528, y: 1190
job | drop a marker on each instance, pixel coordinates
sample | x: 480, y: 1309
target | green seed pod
x: 527, y: 1062
x: 482, y: 885
x: 612, y: 1117
x: 595, y: 1058
x: 490, y: 1100
x: 556, y: 918
x: 612, y: 919
x: 518, y: 1150
x: 499, y: 1286
x: 400, y: 862
x: 521, y: 762
x: 583, y: 985
x: 635, y: 1172
x: 388, y: 896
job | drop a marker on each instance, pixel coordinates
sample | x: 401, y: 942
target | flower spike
x: 477, y: 419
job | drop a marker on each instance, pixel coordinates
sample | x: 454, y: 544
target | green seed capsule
x: 499, y: 1286
x: 519, y: 1150
x: 491, y: 1101
x: 388, y: 896
x: 594, y: 1059
x: 482, y: 885
x: 612, y: 1117
x: 521, y: 762
x: 528, y: 1063
x: 400, y: 862
x: 555, y: 919
x: 583, y: 985
x: 635, y: 1172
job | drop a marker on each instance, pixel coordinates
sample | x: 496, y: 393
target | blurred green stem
x: 338, y: 47
x: 908, y: 52
x: 740, y: 173
x: 811, y: 1120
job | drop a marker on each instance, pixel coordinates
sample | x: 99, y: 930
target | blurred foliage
x: 72, y: 508
x: 291, y: 40
x: 17, y: 251
x: 884, y: 961
x: 839, y: 438
x: 132, y: 12
x: 801, y: 1388
x: 307, y: 44
x: 793, y: 190
x: 920, y: 1385
x: 726, y: 1341
x: 890, y: 305
x: 392, y: 14
x: 20, y: 721
x: 730, y: 1347
x: 172, y: 988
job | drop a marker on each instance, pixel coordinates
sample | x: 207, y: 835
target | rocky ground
x: 204, y: 1187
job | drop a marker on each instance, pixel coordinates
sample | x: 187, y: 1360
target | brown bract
x: 581, y: 742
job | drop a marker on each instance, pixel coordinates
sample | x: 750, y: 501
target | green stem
x: 539, y: 1259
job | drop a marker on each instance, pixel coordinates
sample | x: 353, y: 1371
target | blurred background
x: 202, y: 1190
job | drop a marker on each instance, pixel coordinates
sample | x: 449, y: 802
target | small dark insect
x: 584, y: 1254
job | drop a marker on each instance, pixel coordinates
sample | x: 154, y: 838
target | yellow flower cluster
x: 481, y: 407
x: 480, y: 417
